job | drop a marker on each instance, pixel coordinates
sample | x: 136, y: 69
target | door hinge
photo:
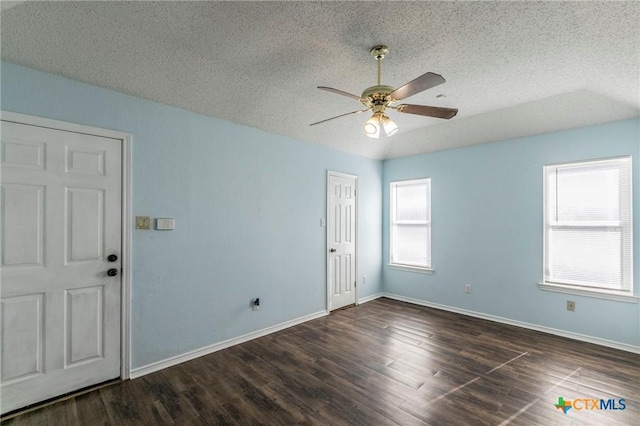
x: 355, y: 283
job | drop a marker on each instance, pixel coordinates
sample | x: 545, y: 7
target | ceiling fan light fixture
x: 390, y: 127
x: 379, y: 124
x: 372, y: 127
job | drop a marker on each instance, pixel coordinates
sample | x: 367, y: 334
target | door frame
x: 326, y: 248
x: 126, y: 140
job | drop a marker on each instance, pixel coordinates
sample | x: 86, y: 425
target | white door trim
x: 125, y: 333
x: 327, y: 241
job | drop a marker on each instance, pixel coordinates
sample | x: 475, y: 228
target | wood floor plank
x: 122, y: 405
x: 91, y: 409
x: 383, y: 362
x: 66, y: 415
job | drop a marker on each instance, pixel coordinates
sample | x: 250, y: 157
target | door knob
x: 112, y: 258
x: 332, y: 250
x: 112, y: 272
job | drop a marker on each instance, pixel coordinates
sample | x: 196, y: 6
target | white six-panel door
x: 341, y: 240
x: 60, y: 220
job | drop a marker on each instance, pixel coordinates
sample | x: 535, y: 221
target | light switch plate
x: 143, y: 222
x: 165, y: 224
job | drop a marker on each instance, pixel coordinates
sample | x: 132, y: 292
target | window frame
x: 625, y: 291
x: 393, y: 223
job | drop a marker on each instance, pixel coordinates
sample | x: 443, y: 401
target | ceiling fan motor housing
x: 378, y: 96
x: 377, y: 91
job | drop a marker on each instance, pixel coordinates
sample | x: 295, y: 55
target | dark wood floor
x: 384, y: 362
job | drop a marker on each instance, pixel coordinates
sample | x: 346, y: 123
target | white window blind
x: 588, y: 238
x: 411, y: 223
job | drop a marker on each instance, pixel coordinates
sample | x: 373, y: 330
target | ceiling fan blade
x: 429, y: 111
x: 420, y: 84
x: 338, y: 116
x: 340, y: 92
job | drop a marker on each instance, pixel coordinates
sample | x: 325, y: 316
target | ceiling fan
x: 380, y: 97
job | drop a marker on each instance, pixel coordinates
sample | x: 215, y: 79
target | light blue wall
x: 487, y: 230
x: 247, y: 206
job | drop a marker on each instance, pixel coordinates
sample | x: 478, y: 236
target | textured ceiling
x: 513, y: 68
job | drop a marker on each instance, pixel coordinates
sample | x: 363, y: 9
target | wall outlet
x: 364, y: 279
x: 255, y: 303
x: 467, y: 288
x: 571, y: 305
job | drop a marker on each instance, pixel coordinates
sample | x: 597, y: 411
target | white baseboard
x: 549, y: 330
x: 178, y: 359
x: 370, y: 298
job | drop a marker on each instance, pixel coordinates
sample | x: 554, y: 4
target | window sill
x: 417, y: 269
x: 597, y: 293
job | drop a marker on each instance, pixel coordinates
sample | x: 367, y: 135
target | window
x: 587, y: 234
x: 411, y: 224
